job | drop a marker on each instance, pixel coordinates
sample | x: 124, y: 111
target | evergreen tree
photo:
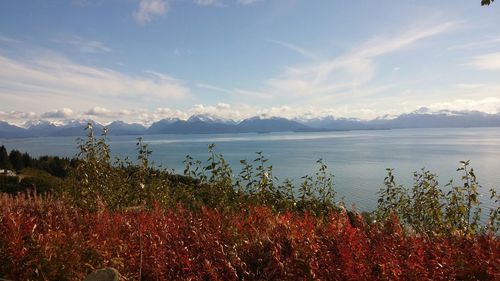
x: 27, y: 160
x: 16, y: 160
x: 4, y: 159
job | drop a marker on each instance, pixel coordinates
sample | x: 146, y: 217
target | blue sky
x: 144, y: 60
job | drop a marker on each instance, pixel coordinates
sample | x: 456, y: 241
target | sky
x: 144, y: 60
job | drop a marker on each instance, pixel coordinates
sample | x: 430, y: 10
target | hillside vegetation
x: 213, y: 224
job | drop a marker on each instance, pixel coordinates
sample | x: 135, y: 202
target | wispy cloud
x: 215, y: 3
x: 220, y: 3
x: 81, y: 3
x: 296, y: 49
x: 58, y: 80
x: 470, y: 86
x: 148, y: 10
x: 234, y: 91
x: 248, y: 2
x: 477, y: 44
x: 489, y: 61
x: 84, y: 46
x: 351, y: 70
x: 6, y: 39
x: 381, y: 46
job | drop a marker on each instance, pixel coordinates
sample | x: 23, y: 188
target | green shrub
x: 426, y: 208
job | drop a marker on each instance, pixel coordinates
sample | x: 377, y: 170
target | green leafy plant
x: 427, y: 209
x: 425, y: 213
x: 494, y: 215
x: 393, y: 198
x: 462, y: 209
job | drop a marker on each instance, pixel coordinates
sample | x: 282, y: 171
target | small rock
x: 105, y: 274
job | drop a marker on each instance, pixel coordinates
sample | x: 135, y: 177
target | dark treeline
x: 17, y: 161
x: 44, y: 174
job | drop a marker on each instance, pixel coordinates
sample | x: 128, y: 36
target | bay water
x: 358, y: 159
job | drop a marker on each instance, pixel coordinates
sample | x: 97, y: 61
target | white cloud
x: 80, y: 3
x: 241, y: 111
x: 98, y: 111
x: 165, y: 112
x: 142, y: 116
x: 248, y: 2
x: 222, y: 110
x: 381, y: 46
x: 209, y: 3
x: 17, y: 115
x: 148, y: 10
x: 477, y: 44
x: 9, y: 40
x: 57, y: 81
x: 105, y: 115
x: 324, y: 78
x: 222, y: 106
x: 468, y: 86
x: 219, y: 3
x: 234, y: 91
x: 489, y: 61
x: 351, y: 70
x: 84, y: 46
x: 489, y: 105
x: 296, y: 49
x: 58, y: 113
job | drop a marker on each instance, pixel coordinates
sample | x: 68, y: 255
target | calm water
x: 357, y: 158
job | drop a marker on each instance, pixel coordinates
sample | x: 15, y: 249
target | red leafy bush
x: 46, y: 239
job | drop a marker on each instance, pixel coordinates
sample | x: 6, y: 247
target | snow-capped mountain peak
x: 31, y: 124
x: 208, y: 118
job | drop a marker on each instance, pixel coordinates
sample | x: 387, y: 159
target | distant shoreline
x: 309, y: 130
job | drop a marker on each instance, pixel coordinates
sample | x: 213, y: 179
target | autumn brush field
x: 42, y: 238
x: 209, y: 224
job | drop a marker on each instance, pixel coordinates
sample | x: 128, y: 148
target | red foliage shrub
x: 45, y: 239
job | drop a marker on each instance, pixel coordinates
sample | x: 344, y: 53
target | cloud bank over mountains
x: 240, y: 112
x: 213, y: 124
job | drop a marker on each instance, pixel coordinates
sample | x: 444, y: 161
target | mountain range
x: 209, y: 124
